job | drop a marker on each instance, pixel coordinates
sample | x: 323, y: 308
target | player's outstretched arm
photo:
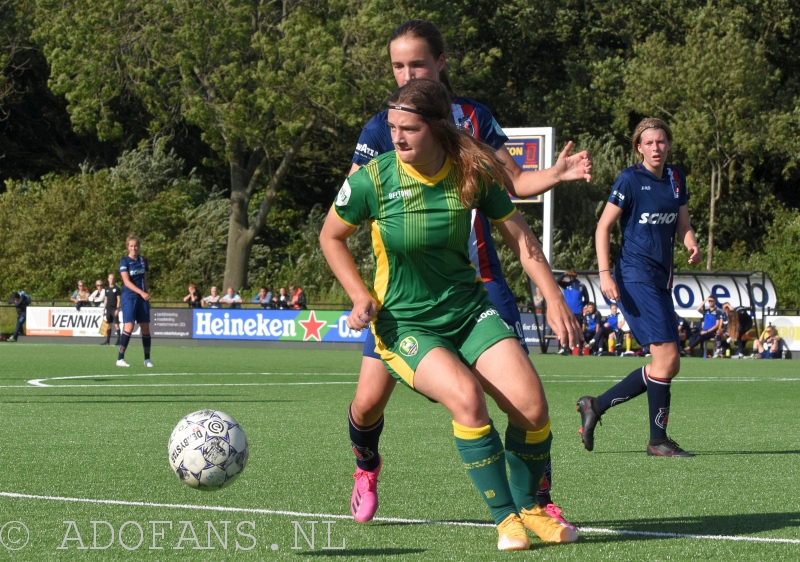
x: 520, y: 238
x: 333, y: 241
x: 568, y: 167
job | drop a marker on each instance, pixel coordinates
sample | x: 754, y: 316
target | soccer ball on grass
x: 207, y: 450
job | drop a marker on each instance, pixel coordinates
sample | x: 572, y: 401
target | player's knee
x: 467, y: 398
x: 539, y: 416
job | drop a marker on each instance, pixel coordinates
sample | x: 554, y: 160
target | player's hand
x: 362, y: 314
x: 145, y: 295
x: 695, y: 255
x: 562, y: 321
x: 571, y: 167
x: 609, y: 287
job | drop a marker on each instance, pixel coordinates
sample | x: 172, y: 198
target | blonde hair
x: 733, y: 320
x: 131, y: 237
x: 644, y: 124
x: 475, y: 162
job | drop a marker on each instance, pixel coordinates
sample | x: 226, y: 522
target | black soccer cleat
x: 589, y: 420
x: 667, y: 448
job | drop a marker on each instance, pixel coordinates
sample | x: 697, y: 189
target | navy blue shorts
x: 135, y: 310
x: 650, y: 312
x: 503, y: 300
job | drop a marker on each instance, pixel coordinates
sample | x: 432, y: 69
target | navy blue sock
x: 658, y: 397
x: 740, y: 346
x: 630, y: 387
x: 146, y: 344
x: 364, y: 441
x: 123, y: 343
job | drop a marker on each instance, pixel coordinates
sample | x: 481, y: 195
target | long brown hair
x: 475, y: 162
x: 428, y: 32
x: 733, y: 320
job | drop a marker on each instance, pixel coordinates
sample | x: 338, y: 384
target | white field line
x: 42, y: 384
x: 386, y: 519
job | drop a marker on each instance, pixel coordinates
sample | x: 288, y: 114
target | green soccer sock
x: 482, y: 452
x: 527, y: 453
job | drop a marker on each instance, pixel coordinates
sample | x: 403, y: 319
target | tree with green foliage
x: 257, y: 77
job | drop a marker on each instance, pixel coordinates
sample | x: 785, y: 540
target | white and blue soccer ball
x: 207, y: 450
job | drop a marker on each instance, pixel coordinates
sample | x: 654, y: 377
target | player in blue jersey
x: 713, y: 319
x: 650, y: 201
x: 135, y: 300
x: 417, y: 50
x: 593, y: 333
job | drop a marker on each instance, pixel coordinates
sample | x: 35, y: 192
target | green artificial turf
x: 90, y: 444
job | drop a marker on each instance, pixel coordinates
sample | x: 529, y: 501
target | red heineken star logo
x: 312, y: 327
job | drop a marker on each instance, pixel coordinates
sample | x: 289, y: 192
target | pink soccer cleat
x: 364, y: 502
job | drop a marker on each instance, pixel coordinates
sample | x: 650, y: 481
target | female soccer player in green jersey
x: 434, y: 326
x: 416, y: 50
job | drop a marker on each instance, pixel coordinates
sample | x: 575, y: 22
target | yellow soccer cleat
x: 546, y: 527
x: 512, y: 534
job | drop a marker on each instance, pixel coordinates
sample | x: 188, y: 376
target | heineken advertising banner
x: 214, y: 324
x: 274, y: 325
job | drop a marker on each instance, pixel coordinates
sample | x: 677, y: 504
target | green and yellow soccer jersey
x: 420, y: 234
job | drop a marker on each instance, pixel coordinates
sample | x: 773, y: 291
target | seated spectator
x: 264, y: 297
x: 297, y: 298
x: 684, y: 331
x: 232, y: 298
x: 623, y: 332
x: 213, y: 300
x: 281, y: 302
x: 768, y: 346
x: 712, y: 322
x: 739, y: 324
x: 611, y: 330
x: 80, y: 296
x: 98, y: 295
x: 721, y: 337
x: 193, y: 299
x: 592, y: 329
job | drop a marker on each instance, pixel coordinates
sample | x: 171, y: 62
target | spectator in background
x: 112, y: 304
x: 739, y: 324
x: 97, y: 296
x: 684, y: 331
x: 576, y: 295
x: 593, y: 329
x: 213, y: 300
x: 539, y: 303
x: 80, y: 296
x: 21, y: 301
x: 712, y: 321
x: 193, y: 299
x: 768, y: 346
x: 297, y: 298
x: 281, y: 302
x: 609, y: 330
x: 232, y: 298
x: 264, y: 298
x: 623, y: 332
